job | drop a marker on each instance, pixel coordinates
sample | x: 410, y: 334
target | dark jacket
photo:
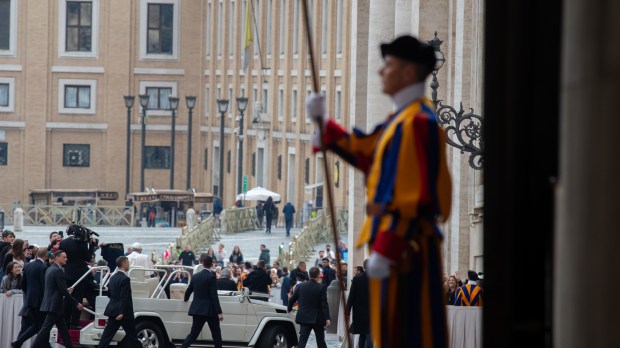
x: 205, y: 302
x: 4, y: 249
x: 33, y: 285
x: 236, y: 258
x: 294, y: 273
x: 55, y: 291
x: 217, y: 206
x: 188, y: 258
x: 288, y: 211
x: 269, y: 208
x: 226, y: 284
x: 328, y: 275
x: 78, y: 254
x: 312, y: 299
x: 264, y: 255
x: 119, y: 292
x: 258, y: 281
x: 286, y: 287
x: 358, y: 300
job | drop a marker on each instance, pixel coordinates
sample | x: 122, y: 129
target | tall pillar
x: 587, y: 259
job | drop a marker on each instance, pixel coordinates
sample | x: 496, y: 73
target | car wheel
x: 150, y: 335
x: 276, y: 336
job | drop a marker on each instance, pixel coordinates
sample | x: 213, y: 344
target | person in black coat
x: 301, y: 268
x: 269, y: 208
x: 358, y: 301
x: 313, y: 311
x: 79, y: 253
x: 258, y: 280
x: 120, y: 308
x: 205, y: 307
x: 225, y: 282
x: 53, y: 303
x: 33, y: 285
x: 329, y: 274
x: 286, y: 286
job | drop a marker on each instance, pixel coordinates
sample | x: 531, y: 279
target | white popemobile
x: 163, y: 322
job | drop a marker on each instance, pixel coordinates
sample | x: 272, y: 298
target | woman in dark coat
x: 268, y: 208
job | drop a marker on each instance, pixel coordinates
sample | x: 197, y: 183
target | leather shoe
x: 15, y: 345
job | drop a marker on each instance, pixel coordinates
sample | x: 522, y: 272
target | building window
x: 324, y: 28
x: 4, y: 154
x: 339, y: 28
x: 208, y: 36
x: 157, y: 157
x: 159, y: 34
x: 79, y: 26
x: 231, y: 30
x: 279, y: 167
x: 76, y: 155
x: 269, y: 25
x: 4, y: 95
x: 256, y: 25
x: 338, y: 110
x: 158, y: 98
x: 5, y: 24
x: 207, y: 95
x: 282, y: 26
x: 158, y: 92
x: 280, y: 104
x: 307, y: 171
x: 159, y: 29
x: 253, y: 163
x: 206, y: 158
x: 265, y: 99
x: 294, y: 106
x: 77, y: 96
x: 228, y: 162
x: 219, y: 29
x: 296, y: 26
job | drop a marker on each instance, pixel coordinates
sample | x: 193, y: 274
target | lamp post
x: 190, y: 101
x: 463, y: 129
x: 222, y: 105
x: 242, y: 103
x: 144, y: 102
x: 174, y: 104
x: 129, y: 99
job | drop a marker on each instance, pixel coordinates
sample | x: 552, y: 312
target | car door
x: 235, y: 314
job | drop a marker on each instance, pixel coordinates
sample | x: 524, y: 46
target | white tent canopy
x: 259, y: 194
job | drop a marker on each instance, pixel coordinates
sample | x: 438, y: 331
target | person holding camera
x: 79, y: 247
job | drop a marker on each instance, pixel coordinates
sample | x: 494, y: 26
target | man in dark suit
x: 78, y: 254
x: 33, y: 283
x: 120, y: 308
x: 358, y: 300
x: 286, y: 286
x: 53, y: 303
x: 329, y: 274
x: 313, y: 311
x: 258, y: 281
x: 205, y: 307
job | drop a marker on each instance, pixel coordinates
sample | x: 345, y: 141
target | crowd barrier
x: 60, y: 215
x: 317, y: 231
x: 239, y: 219
x: 200, y: 236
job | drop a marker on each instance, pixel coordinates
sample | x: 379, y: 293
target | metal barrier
x: 239, y: 219
x: 318, y: 230
x: 95, y: 215
x: 203, y: 234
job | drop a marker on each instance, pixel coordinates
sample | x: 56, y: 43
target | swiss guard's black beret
x: 471, y: 275
x: 411, y: 49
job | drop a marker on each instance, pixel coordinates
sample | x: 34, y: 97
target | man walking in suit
x: 33, y: 283
x: 205, y: 307
x: 358, y: 301
x: 120, y: 308
x: 53, y: 303
x: 313, y: 311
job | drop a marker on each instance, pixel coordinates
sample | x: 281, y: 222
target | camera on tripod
x: 83, y: 234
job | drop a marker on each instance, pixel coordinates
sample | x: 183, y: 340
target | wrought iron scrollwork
x: 463, y: 131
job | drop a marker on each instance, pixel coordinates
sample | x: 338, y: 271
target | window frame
x: 159, y: 84
x: 11, y: 51
x: 62, y: 31
x: 144, y: 55
x: 65, y: 163
x: 146, y: 157
x: 11, y: 97
x: 4, y: 147
x: 62, y: 83
x: 77, y: 100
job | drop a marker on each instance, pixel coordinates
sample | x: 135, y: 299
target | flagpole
x: 327, y: 179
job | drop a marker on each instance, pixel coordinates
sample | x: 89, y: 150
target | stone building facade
x: 65, y: 66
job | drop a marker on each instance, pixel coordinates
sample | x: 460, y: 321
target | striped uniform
x: 469, y: 295
x: 408, y: 188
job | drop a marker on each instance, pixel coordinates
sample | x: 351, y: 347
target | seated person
x: 12, y: 281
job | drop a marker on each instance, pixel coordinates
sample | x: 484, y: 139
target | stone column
x: 586, y: 237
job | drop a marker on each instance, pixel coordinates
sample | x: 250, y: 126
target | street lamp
x: 144, y: 102
x: 242, y: 103
x: 190, y: 101
x: 174, y: 104
x: 463, y: 130
x: 129, y: 99
x: 222, y: 105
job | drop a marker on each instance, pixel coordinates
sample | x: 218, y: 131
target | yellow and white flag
x: 248, y: 39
